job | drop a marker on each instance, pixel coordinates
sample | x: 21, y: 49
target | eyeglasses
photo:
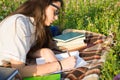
x: 57, y: 11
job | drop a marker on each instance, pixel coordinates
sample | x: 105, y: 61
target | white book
x: 80, y: 62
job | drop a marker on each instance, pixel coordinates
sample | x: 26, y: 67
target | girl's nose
x: 56, y: 17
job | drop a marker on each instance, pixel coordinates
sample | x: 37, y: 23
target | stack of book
x: 70, y: 40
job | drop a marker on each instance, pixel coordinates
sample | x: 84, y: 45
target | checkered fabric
x: 97, y: 46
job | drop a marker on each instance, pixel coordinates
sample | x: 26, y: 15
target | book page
x: 79, y: 63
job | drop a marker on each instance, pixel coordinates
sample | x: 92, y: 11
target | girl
x: 25, y: 33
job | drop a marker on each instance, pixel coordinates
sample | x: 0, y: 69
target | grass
x: 101, y: 16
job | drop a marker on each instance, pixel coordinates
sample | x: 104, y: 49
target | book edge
x: 13, y: 74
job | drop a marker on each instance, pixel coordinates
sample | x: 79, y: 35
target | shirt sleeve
x: 16, y: 41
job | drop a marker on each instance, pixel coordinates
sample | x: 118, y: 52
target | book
x: 66, y: 37
x: 45, y: 77
x: 8, y: 73
x: 79, y: 63
x: 73, y: 44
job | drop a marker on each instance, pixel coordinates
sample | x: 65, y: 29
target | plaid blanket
x: 93, y: 53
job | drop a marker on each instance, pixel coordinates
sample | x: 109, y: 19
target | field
x: 101, y: 16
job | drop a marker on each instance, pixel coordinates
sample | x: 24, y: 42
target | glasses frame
x: 57, y: 11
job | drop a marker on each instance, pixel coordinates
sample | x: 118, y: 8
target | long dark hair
x: 36, y: 9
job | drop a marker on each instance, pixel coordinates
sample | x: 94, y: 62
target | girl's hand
x: 69, y: 63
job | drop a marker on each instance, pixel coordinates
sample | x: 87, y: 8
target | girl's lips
x: 51, y: 22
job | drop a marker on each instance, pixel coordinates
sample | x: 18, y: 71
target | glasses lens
x: 57, y: 12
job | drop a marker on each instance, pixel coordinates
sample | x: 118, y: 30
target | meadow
x: 100, y: 16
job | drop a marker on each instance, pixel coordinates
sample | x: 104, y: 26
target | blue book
x: 8, y: 73
x: 69, y: 36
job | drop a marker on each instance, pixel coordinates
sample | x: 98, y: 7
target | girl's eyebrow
x: 55, y: 6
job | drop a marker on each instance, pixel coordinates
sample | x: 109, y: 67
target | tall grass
x: 101, y: 16
x: 94, y: 15
x: 8, y: 6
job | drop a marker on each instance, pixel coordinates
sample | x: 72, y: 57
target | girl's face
x: 52, y: 12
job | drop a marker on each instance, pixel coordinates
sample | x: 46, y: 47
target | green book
x: 46, y: 77
x: 69, y: 36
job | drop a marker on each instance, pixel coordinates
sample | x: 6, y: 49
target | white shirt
x: 17, y: 35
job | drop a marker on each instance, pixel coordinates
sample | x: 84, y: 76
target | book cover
x: 46, y: 77
x: 69, y: 36
x: 7, y: 73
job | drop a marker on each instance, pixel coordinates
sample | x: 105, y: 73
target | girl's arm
x: 36, y: 70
